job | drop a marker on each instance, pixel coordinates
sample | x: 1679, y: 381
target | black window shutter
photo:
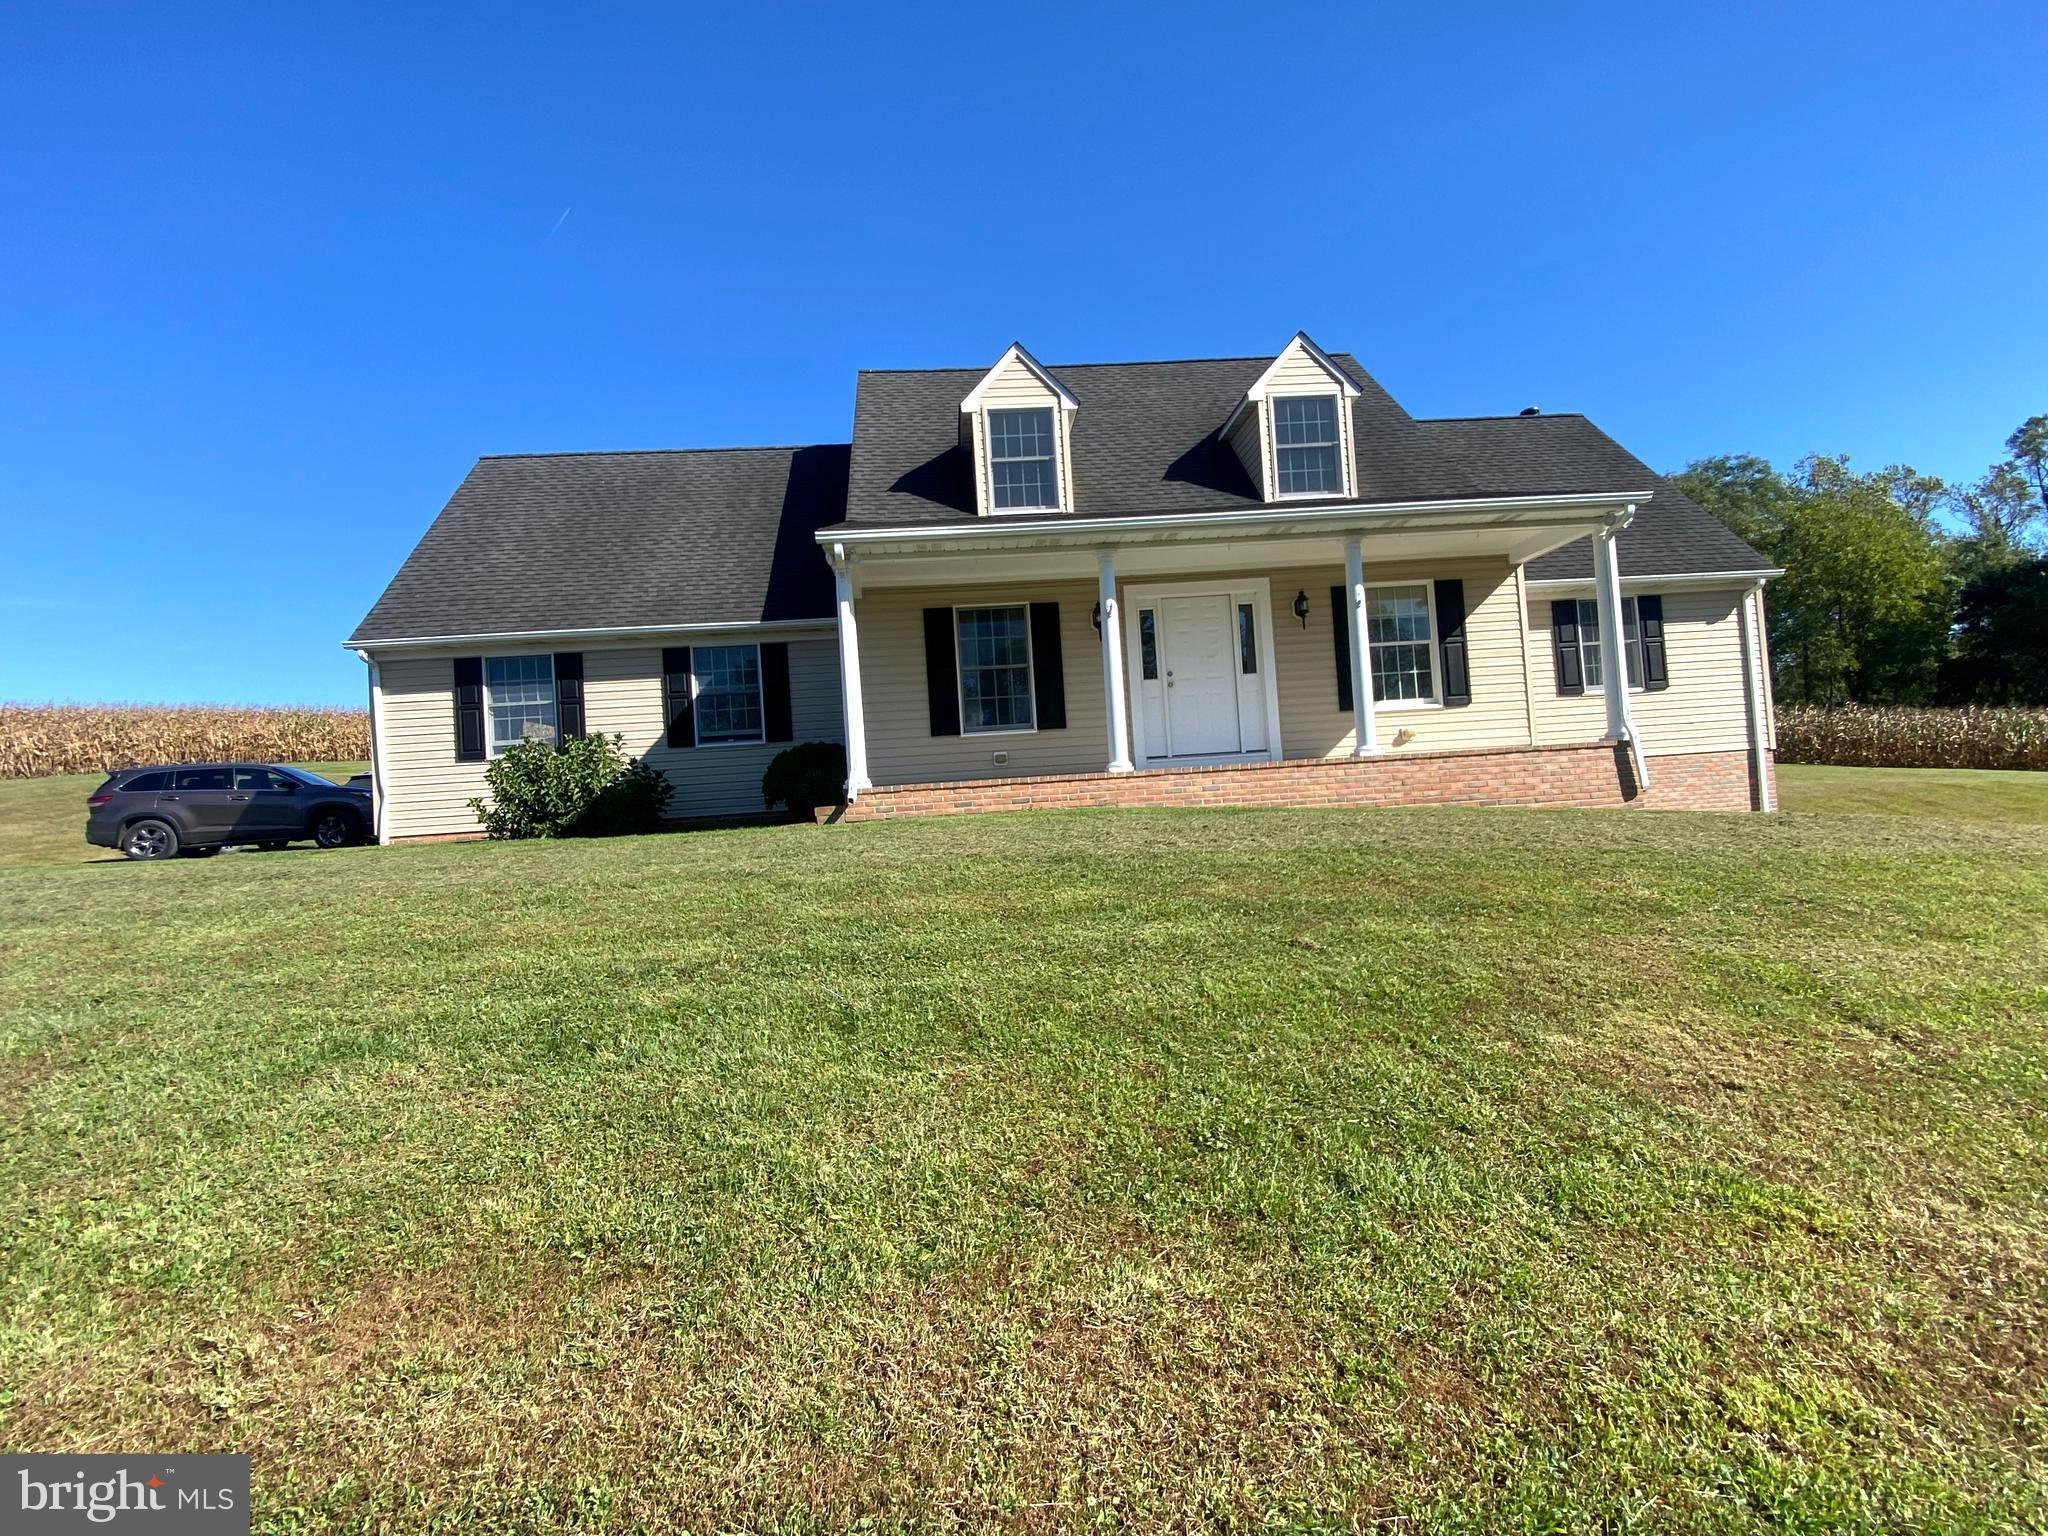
x: 1450, y: 618
x: 1564, y: 636
x: 568, y: 695
x: 469, y: 709
x: 1048, y: 668
x: 675, y: 695
x: 775, y: 710
x: 941, y: 675
x: 1340, y: 616
x: 1650, y: 625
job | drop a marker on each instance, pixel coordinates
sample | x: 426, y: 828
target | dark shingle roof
x: 567, y: 541
x: 554, y: 542
x: 1559, y: 455
x: 1147, y: 439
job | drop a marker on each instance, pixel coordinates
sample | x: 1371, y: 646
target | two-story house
x: 1222, y: 581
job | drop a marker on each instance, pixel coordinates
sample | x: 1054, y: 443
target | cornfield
x: 38, y: 739
x: 1856, y: 736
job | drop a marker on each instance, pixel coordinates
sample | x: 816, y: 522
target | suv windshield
x: 304, y: 777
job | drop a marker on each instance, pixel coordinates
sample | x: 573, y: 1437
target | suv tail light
x: 94, y: 802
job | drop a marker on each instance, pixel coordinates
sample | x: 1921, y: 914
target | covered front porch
x: 1003, y: 652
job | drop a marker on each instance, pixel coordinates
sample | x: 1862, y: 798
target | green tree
x: 2001, y: 637
x: 1743, y: 491
x: 2028, y: 446
x: 1862, y: 612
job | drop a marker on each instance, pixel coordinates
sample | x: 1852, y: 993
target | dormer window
x: 1020, y: 449
x: 1305, y: 446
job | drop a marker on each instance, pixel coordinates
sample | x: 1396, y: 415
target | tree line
x: 1898, y: 588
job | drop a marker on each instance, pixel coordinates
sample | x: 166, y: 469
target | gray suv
x: 157, y: 813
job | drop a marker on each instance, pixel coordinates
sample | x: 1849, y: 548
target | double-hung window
x: 995, y: 668
x: 1305, y: 446
x: 728, y: 694
x: 1403, y: 655
x: 1589, y: 642
x: 1020, y: 455
x: 520, y: 692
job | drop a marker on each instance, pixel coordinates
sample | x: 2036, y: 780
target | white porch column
x: 849, y: 679
x: 1613, y: 651
x: 1113, y: 663
x: 1361, y: 641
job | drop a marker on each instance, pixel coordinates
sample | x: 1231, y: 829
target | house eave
x: 363, y: 647
x: 1740, y: 578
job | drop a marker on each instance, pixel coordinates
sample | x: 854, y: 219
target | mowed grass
x: 1969, y: 794
x: 1450, y: 1169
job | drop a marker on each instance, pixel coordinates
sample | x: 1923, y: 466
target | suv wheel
x: 150, y: 840
x: 334, y: 829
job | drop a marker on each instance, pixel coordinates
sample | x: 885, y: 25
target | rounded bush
x: 586, y: 787
x: 804, y: 777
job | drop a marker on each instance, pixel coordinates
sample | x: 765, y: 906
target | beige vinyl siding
x: 1016, y: 387
x: 1250, y: 447
x: 902, y: 750
x: 1311, y: 724
x: 428, y: 791
x: 901, y: 746
x: 1300, y: 374
x: 1704, y: 709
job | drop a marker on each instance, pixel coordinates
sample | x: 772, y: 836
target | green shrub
x: 804, y: 777
x: 1859, y: 736
x: 586, y: 787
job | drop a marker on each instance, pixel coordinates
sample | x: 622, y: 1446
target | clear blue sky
x: 272, y: 278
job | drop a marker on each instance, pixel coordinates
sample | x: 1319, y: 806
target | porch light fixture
x: 1301, y: 608
x: 1098, y: 618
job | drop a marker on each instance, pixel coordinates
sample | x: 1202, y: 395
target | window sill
x: 1022, y: 511
x: 1405, y: 706
x: 713, y: 746
x: 1014, y: 730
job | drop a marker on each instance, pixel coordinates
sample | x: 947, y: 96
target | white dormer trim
x: 1347, y: 387
x: 1252, y: 419
x: 1345, y: 383
x: 1015, y: 353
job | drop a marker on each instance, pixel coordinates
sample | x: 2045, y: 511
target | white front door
x: 1201, y: 661
x: 1199, y: 654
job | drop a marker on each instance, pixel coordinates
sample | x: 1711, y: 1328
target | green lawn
x: 1454, y: 1169
x: 1968, y: 794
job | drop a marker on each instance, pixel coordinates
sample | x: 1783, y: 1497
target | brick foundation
x: 1594, y: 775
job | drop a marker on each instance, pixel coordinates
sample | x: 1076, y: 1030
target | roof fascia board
x: 619, y: 632
x: 1015, y: 352
x: 1093, y: 528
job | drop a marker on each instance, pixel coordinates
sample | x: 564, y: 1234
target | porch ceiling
x: 1512, y: 534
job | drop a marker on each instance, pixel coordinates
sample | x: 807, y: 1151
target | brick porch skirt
x: 1594, y: 774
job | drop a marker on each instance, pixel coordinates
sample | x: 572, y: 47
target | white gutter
x: 376, y: 748
x: 1687, y: 579
x: 1753, y: 694
x: 622, y: 631
x: 1340, y: 515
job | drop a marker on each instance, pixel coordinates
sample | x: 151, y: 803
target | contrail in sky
x: 544, y: 239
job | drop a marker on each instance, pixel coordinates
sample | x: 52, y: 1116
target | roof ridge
x: 620, y: 453
x: 1505, y: 416
x: 1134, y: 362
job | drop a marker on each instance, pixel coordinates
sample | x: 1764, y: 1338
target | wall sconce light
x: 1098, y: 618
x: 1301, y: 608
